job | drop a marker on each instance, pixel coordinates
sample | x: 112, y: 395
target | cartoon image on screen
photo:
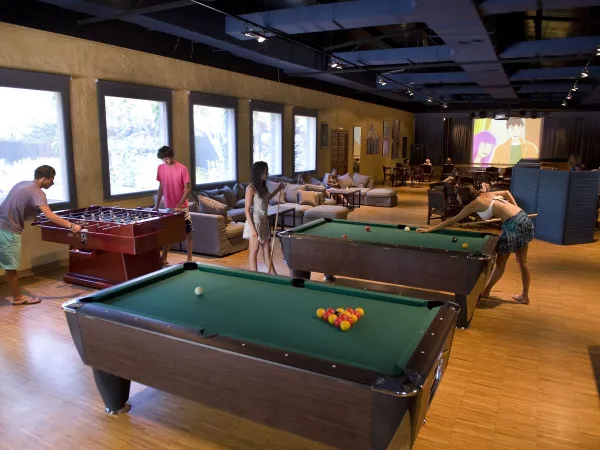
x: 505, y: 142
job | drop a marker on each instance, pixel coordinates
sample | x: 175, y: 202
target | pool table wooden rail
x: 343, y: 406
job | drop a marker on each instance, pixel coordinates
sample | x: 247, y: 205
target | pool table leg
x: 114, y: 391
x: 468, y: 303
x: 300, y: 274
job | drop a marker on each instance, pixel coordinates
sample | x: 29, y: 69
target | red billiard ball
x: 344, y: 236
x: 338, y: 321
x: 330, y: 310
x: 368, y: 228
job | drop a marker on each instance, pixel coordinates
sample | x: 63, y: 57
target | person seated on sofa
x: 333, y: 182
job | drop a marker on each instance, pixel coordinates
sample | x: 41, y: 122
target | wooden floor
x: 522, y: 377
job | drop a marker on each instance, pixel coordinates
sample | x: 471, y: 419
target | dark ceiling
x: 416, y: 55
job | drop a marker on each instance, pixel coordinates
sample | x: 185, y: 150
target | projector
x: 500, y: 116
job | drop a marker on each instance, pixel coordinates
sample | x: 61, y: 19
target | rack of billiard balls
x: 341, y: 318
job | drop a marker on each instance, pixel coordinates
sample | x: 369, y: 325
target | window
x: 135, y: 121
x: 35, y: 130
x: 305, y: 140
x: 213, y: 137
x: 267, y: 133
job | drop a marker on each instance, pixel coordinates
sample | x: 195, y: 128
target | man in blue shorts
x: 18, y: 206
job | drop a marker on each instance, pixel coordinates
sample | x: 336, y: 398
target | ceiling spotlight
x: 429, y: 99
x: 253, y: 34
x: 381, y: 81
x: 564, y: 103
x: 585, y: 73
x: 569, y: 96
x: 410, y: 93
x: 598, y: 51
x: 261, y: 39
x: 574, y: 88
x: 444, y: 105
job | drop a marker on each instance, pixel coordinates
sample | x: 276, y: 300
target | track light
x: 585, y: 73
x: 444, y: 105
x: 564, y: 103
x: 569, y: 96
x: 598, y: 51
x: 335, y: 64
x: 260, y: 37
x: 574, y: 88
x: 381, y: 81
x: 429, y: 99
x: 410, y: 93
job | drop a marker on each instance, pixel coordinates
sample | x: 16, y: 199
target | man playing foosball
x: 20, y: 204
x: 175, y: 187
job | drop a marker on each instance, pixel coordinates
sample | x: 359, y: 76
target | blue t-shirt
x: 19, y: 205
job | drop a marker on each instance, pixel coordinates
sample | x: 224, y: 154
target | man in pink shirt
x: 175, y: 187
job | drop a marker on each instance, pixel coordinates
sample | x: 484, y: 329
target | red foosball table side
x: 109, y: 252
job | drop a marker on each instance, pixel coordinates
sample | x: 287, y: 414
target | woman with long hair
x: 517, y: 231
x: 484, y: 144
x: 256, y: 228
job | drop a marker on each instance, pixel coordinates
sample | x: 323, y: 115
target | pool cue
x: 275, y: 233
x: 486, y: 222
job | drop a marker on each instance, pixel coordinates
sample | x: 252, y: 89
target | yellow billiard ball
x: 332, y: 318
x: 320, y: 312
x: 359, y: 312
x: 465, y: 245
x: 345, y: 325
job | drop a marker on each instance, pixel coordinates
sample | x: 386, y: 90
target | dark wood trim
x: 217, y: 101
x: 56, y: 83
x: 114, y: 89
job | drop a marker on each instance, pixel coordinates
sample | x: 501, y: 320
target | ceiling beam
x: 136, y: 12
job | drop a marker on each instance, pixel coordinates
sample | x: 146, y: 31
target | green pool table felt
x: 392, y: 235
x: 268, y: 310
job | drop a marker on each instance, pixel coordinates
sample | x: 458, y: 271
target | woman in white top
x: 517, y: 230
x: 257, y: 229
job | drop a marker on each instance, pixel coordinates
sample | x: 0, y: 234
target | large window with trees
x: 135, y: 121
x: 213, y: 137
x: 305, y: 140
x: 35, y: 130
x: 267, y: 135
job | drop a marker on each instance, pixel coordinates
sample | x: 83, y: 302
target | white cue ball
x: 198, y: 291
x: 406, y: 228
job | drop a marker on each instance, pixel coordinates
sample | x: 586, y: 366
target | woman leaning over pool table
x: 517, y: 231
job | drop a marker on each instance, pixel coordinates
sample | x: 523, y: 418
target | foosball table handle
x: 84, y: 253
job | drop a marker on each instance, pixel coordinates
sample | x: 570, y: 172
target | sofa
x: 363, y: 182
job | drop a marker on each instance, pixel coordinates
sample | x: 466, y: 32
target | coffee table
x: 272, y: 212
x: 346, y: 193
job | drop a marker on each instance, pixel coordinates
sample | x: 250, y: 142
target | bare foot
x: 521, y: 298
x: 165, y: 263
x: 23, y: 300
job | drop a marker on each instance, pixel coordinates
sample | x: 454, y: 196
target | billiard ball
x: 198, y: 291
x: 338, y: 321
x: 465, y: 245
x: 320, y: 312
x: 359, y: 312
x: 352, y: 318
x: 332, y: 318
x: 454, y: 239
x: 368, y: 228
x: 344, y: 236
x: 340, y: 310
x: 345, y: 325
x: 406, y: 228
x: 330, y: 310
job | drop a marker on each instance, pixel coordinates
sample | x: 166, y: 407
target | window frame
x: 217, y: 101
x: 270, y: 108
x: 38, y: 81
x: 306, y: 113
x: 126, y: 90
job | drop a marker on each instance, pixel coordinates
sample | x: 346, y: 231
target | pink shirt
x: 173, y: 179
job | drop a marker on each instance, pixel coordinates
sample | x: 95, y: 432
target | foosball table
x: 114, y: 244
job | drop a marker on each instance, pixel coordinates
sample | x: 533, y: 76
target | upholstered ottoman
x: 385, y: 197
x: 326, y: 212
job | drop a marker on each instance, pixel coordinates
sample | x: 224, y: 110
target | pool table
x: 253, y: 346
x: 389, y: 254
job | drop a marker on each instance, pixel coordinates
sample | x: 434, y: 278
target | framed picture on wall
x: 386, y: 129
x: 324, y: 134
x: 357, y: 142
x: 372, y: 141
x: 396, y: 148
x: 396, y: 130
x: 386, y: 147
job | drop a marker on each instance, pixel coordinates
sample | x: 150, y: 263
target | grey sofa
x: 363, y: 182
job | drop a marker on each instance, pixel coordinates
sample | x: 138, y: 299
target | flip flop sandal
x: 31, y: 301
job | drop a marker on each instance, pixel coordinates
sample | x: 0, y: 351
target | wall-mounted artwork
x: 357, y: 142
x: 324, y: 134
x: 386, y: 147
x: 386, y: 129
x: 372, y: 141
